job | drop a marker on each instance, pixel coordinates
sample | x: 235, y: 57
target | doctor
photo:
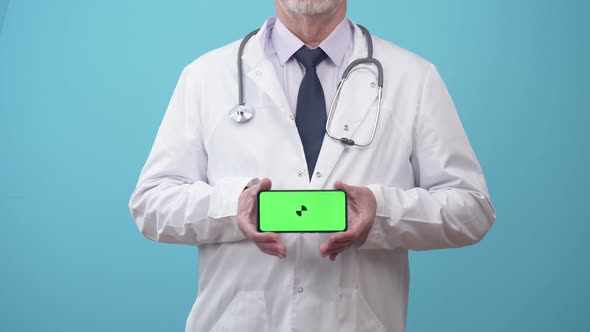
x: 416, y: 186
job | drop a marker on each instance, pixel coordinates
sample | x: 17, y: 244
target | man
x: 417, y: 186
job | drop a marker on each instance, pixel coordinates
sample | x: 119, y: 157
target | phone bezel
x: 298, y: 231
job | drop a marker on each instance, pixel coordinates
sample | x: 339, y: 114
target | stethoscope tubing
x: 241, y: 66
x: 242, y: 108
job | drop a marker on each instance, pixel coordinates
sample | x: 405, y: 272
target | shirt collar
x: 335, y: 45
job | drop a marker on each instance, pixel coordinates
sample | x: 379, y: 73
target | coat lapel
x: 260, y: 71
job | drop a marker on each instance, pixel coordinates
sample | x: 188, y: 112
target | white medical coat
x: 428, y: 184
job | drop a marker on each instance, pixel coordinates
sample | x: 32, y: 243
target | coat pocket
x: 355, y: 314
x: 246, y: 312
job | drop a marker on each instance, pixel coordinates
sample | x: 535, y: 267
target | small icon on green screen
x: 302, y: 211
x: 299, y: 212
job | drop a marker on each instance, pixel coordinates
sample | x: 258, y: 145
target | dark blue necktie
x: 311, y: 106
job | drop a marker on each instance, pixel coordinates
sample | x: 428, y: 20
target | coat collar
x: 254, y: 52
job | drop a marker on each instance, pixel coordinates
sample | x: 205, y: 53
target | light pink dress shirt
x: 281, y: 44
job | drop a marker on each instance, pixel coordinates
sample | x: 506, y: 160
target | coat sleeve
x: 450, y: 205
x: 173, y: 201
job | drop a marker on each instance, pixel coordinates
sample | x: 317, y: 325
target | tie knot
x: 310, y: 58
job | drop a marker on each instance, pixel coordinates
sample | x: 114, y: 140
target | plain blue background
x: 84, y: 85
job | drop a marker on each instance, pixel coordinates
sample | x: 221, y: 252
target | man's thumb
x: 264, y: 184
x: 339, y: 185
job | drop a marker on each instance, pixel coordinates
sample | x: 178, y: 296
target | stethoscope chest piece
x: 242, y: 113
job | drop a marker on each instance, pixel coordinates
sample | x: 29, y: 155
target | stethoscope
x: 243, y: 112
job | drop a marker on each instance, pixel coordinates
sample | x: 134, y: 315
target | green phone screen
x: 302, y: 211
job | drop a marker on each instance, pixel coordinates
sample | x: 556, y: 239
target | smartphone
x: 302, y: 211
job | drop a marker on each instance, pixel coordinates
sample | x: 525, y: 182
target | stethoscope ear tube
x: 368, y: 39
x: 240, y: 66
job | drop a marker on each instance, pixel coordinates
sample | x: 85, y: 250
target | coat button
x: 318, y: 174
x: 300, y: 290
x: 373, y: 84
x: 299, y: 173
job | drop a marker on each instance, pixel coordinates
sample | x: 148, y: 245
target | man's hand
x: 267, y: 242
x: 362, y: 208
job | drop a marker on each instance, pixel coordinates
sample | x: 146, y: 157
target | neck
x: 312, y: 29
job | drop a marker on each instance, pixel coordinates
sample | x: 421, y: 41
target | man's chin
x: 310, y: 7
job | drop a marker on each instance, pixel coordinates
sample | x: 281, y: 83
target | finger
x: 272, y: 246
x: 328, y: 245
x: 333, y: 257
x: 264, y: 184
x: 350, y: 235
x: 339, y: 185
x: 271, y: 253
x: 276, y: 248
x: 335, y: 249
x: 335, y: 252
x: 262, y: 237
x: 344, y: 237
